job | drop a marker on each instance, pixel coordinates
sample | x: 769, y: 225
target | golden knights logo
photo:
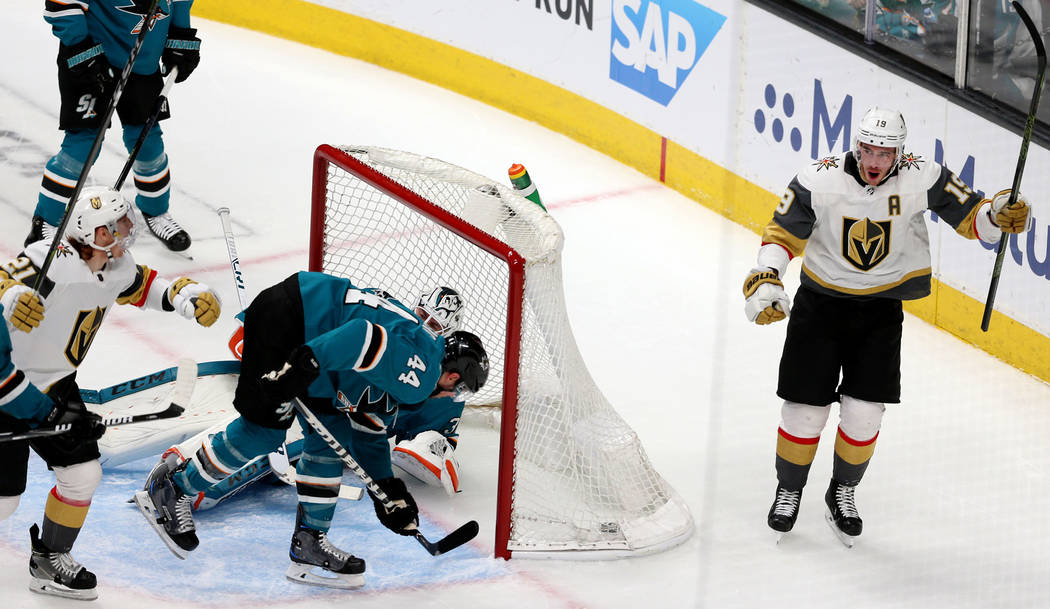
x: 910, y: 160
x: 84, y: 330
x: 828, y: 162
x: 865, y: 243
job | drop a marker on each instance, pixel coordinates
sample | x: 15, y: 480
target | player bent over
x: 351, y: 355
x: 52, y: 332
x: 859, y: 221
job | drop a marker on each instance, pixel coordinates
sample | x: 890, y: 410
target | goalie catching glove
x: 429, y: 458
x: 766, y: 300
x: 403, y: 517
x: 22, y: 307
x: 1015, y: 218
x: 194, y: 300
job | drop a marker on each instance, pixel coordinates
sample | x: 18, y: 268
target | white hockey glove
x: 429, y: 458
x: 1016, y: 218
x: 766, y: 300
x: 23, y: 309
x: 195, y: 300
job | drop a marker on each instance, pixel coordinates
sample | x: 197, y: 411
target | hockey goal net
x: 574, y: 480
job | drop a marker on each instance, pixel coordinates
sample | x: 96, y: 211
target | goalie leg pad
x: 430, y: 458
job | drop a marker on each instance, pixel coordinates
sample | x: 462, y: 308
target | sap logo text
x: 656, y: 44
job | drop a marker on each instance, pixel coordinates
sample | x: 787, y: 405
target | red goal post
x: 574, y: 481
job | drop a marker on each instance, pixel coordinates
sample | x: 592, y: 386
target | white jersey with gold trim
x: 76, y: 300
x: 863, y: 240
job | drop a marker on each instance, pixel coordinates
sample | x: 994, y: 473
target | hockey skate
x: 56, y: 573
x: 170, y: 233
x: 168, y: 510
x: 40, y: 230
x: 784, y: 511
x: 317, y: 562
x: 841, y: 514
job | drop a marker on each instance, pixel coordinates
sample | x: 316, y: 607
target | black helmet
x: 465, y: 355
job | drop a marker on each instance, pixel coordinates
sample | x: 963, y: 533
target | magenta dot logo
x: 776, y: 125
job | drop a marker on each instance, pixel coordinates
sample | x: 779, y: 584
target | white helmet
x: 441, y: 310
x: 881, y: 127
x: 100, y: 206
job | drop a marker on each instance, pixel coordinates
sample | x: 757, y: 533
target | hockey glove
x: 294, y: 377
x: 403, y: 517
x: 84, y: 424
x: 182, y: 51
x: 22, y: 307
x: 1013, y: 219
x: 87, y: 63
x: 194, y: 300
x: 430, y: 458
x: 766, y: 300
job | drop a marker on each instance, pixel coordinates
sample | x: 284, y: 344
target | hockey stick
x: 1000, y: 254
x: 118, y: 89
x: 158, y: 106
x: 450, y: 542
x: 180, y: 396
x: 279, y: 458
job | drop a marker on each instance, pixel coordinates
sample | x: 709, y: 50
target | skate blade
x: 46, y: 586
x: 779, y: 535
x: 305, y: 574
x: 847, y: 540
x: 145, y: 506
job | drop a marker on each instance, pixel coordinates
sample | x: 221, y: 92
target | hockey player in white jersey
x: 859, y: 219
x: 51, y: 334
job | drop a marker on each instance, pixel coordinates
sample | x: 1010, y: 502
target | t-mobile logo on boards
x: 656, y: 44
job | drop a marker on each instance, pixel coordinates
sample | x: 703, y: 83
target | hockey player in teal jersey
x: 95, y: 39
x: 351, y: 355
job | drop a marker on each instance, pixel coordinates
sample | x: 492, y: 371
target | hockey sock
x: 317, y: 482
x: 226, y: 452
x: 63, y: 518
x: 851, y: 457
x: 794, y: 457
x: 61, y: 173
x: 152, y: 178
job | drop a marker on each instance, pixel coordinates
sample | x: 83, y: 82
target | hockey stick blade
x: 451, y: 541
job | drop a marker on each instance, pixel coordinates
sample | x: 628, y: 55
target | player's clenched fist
x: 766, y: 300
x: 1014, y: 218
x: 22, y: 307
x: 195, y: 300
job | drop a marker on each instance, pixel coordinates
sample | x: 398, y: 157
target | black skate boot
x: 170, y: 233
x: 39, y: 229
x: 311, y: 550
x: 784, y: 511
x: 57, y: 573
x: 842, y: 513
x: 168, y: 510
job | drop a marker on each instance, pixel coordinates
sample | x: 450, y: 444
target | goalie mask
x: 441, y: 310
x: 102, y: 207
x: 465, y: 355
x: 881, y: 127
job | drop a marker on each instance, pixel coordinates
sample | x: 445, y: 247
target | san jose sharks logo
x: 910, y: 160
x: 140, y: 8
x: 828, y: 162
x: 865, y: 243
x: 365, y: 403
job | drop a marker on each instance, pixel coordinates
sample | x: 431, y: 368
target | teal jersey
x: 18, y: 397
x: 373, y: 353
x: 115, y: 24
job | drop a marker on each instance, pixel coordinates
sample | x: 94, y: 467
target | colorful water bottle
x: 521, y: 181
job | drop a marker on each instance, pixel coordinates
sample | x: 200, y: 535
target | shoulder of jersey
x: 67, y: 267
x: 914, y: 169
x: 823, y: 171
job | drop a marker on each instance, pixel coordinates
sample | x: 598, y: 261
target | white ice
x: 955, y: 501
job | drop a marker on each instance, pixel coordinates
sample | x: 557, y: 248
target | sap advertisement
x: 753, y: 94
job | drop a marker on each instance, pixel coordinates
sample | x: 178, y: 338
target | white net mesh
x: 582, y: 481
